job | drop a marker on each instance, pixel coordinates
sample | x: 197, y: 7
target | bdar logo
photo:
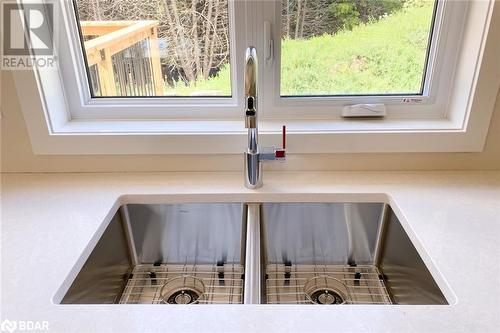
x: 8, y: 326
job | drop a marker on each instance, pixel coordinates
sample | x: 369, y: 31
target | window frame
x: 273, y: 105
x: 85, y: 107
x: 461, y: 126
x: 446, y: 35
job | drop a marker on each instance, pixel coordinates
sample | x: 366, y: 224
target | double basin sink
x: 254, y: 253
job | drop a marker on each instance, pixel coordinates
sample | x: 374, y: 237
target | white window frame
x: 83, y: 107
x: 65, y: 120
x: 446, y: 35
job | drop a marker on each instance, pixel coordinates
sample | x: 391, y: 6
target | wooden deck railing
x: 112, y: 37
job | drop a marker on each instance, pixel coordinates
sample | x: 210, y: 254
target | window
x: 329, y: 54
x: 316, y: 56
x: 328, y: 47
x: 352, y: 47
x: 159, y: 68
x: 157, y: 48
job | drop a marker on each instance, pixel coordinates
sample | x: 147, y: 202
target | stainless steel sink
x: 271, y: 253
x: 340, y: 253
x: 175, y: 253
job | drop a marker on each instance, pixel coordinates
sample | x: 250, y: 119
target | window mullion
x: 269, y: 83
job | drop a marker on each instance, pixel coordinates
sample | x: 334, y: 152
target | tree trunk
x: 208, y: 41
x: 304, y: 10
x: 297, y: 21
x: 97, y: 10
x: 185, y: 56
x: 287, y: 11
x: 196, y: 45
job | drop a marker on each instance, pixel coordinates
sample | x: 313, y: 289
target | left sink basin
x: 166, y: 254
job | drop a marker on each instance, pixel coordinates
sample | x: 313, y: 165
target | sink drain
x: 326, y: 296
x: 325, y: 290
x: 185, y: 289
x: 184, y: 296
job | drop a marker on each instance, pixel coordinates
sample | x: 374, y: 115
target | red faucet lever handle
x: 280, y: 153
x: 284, y: 137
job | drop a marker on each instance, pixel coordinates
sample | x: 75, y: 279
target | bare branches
x: 193, y: 34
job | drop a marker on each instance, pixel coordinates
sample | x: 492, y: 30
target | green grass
x: 385, y: 56
x: 218, y: 85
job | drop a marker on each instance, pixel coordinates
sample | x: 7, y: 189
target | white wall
x: 17, y: 156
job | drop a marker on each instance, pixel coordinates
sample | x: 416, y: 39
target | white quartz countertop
x: 48, y: 221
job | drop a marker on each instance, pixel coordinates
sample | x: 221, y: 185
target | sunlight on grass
x: 387, y: 56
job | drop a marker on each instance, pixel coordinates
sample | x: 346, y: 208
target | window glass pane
x: 354, y: 47
x: 156, y: 47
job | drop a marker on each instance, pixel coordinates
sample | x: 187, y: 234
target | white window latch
x: 364, y: 110
x: 268, y: 43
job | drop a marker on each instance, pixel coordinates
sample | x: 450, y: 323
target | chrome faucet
x: 254, y: 156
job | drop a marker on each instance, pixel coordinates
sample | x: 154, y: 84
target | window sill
x: 266, y: 126
x: 229, y: 137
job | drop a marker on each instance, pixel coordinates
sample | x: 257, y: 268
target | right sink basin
x: 340, y: 253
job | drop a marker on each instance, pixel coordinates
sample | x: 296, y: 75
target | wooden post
x: 154, y: 49
x: 106, y: 76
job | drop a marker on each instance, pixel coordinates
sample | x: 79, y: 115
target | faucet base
x: 253, y: 170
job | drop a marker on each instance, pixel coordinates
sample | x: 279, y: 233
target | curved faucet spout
x: 253, y: 156
x: 251, y: 73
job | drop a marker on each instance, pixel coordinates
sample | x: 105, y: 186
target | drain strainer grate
x: 326, y: 296
x: 184, y: 296
x: 185, y: 289
x: 325, y: 289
